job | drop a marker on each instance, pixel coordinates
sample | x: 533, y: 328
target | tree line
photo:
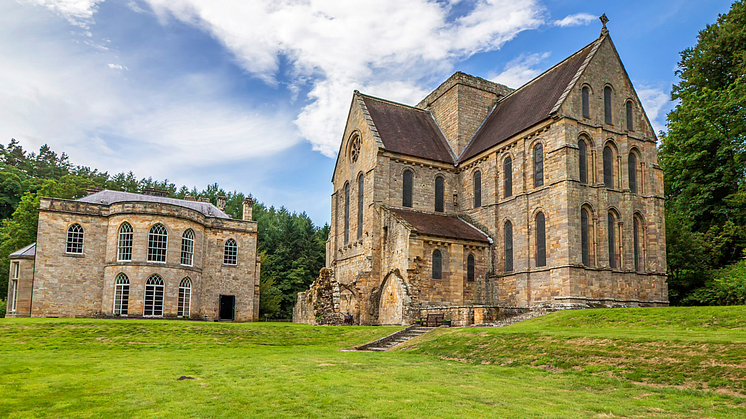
x: 290, y: 246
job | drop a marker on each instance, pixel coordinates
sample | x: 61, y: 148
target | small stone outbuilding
x: 137, y: 255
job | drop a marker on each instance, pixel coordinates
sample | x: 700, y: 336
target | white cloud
x: 77, y: 12
x: 520, y: 70
x: 578, y: 19
x: 333, y: 47
x: 68, y: 97
x: 656, y: 103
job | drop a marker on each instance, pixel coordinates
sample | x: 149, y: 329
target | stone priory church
x: 483, y: 199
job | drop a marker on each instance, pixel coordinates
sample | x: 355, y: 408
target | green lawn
x: 686, y: 363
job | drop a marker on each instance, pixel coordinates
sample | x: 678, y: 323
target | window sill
x: 75, y: 255
x: 230, y: 266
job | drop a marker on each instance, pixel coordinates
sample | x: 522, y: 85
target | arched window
x: 608, y: 167
x: 230, y: 254
x: 360, y: 195
x: 437, y: 264
x: 477, y: 180
x: 541, y: 243
x: 538, y: 165
x: 153, y: 296
x: 628, y: 107
x: 585, y: 237
x: 508, y: 247
x: 612, y: 240
x: 607, y: 105
x: 185, y: 297
x: 347, y: 213
x: 470, y: 268
x: 583, y: 161
x: 439, y: 194
x: 187, y: 247
x: 121, y: 294
x: 406, y: 199
x: 75, y: 239
x: 508, y: 174
x: 157, y: 243
x: 124, y: 245
x: 632, y: 168
x: 586, y: 102
x: 636, y: 242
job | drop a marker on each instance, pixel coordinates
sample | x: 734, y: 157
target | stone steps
x: 394, y: 339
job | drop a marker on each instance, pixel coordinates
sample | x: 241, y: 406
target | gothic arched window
x: 406, y: 200
x: 187, y: 247
x: 230, y: 253
x: 477, y: 189
x: 439, y: 193
x: 632, y: 168
x: 538, y: 165
x: 608, y: 167
x: 607, y: 105
x: 508, y: 175
x: 360, y: 195
x: 124, y: 242
x: 584, y: 237
x: 157, y: 243
x: 185, y: 297
x: 636, y: 242
x: 470, y: 268
x: 121, y: 294
x: 153, y: 296
x: 630, y: 124
x: 612, y: 240
x: 437, y: 264
x: 508, y: 246
x: 347, y: 212
x: 586, y: 102
x: 541, y: 243
x: 583, y: 161
x: 75, y: 235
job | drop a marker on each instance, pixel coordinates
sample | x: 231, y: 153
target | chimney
x: 248, y: 209
x: 93, y: 190
x: 221, y: 202
x: 188, y: 197
x: 204, y: 199
x: 155, y: 192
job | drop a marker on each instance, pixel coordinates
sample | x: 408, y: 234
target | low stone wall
x: 470, y: 315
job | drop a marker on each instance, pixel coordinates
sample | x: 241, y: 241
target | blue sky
x: 253, y: 94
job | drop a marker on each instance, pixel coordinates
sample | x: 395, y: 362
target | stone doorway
x: 393, y: 296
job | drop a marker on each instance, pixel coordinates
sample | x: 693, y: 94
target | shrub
x: 3, y: 307
x: 727, y: 288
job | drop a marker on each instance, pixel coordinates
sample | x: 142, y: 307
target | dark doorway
x: 227, y: 307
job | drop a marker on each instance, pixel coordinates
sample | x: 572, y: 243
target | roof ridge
x: 392, y: 102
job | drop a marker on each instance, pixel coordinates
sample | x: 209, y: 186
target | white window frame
x: 187, y: 248
x: 126, y: 247
x: 121, y: 284
x: 13, y: 295
x: 185, y: 298
x: 156, y: 282
x: 72, y: 240
x: 154, y: 238
x: 230, y: 259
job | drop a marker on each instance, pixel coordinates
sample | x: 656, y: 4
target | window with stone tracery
x: 355, y: 147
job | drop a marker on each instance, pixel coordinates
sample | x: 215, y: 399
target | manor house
x: 481, y: 198
x: 124, y: 254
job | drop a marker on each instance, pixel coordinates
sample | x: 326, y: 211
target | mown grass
x: 128, y: 368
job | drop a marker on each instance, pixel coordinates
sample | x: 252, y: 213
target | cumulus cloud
x: 520, y: 70
x: 381, y: 47
x: 578, y: 19
x: 68, y: 97
x: 656, y: 103
x: 77, y: 12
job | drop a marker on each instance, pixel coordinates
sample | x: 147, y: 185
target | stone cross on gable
x: 604, y: 19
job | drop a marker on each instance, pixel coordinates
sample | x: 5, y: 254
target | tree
x: 703, y: 155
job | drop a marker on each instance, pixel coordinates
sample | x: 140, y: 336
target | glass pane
x: 407, y: 189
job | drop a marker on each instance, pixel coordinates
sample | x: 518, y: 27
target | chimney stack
x: 220, y: 200
x: 204, y: 199
x: 188, y: 197
x: 93, y: 190
x: 248, y: 209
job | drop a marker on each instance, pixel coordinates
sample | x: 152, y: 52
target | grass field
x: 674, y: 362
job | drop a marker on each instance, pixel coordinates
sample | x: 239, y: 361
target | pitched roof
x: 527, y: 106
x: 25, y: 253
x: 408, y: 130
x: 441, y: 225
x: 108, y: 197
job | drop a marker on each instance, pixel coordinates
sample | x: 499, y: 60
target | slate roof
x: 408, y: 130
x: 527, y: 106
x: 441, y: 225
x: 27, y: 252
x: 107, y: 197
